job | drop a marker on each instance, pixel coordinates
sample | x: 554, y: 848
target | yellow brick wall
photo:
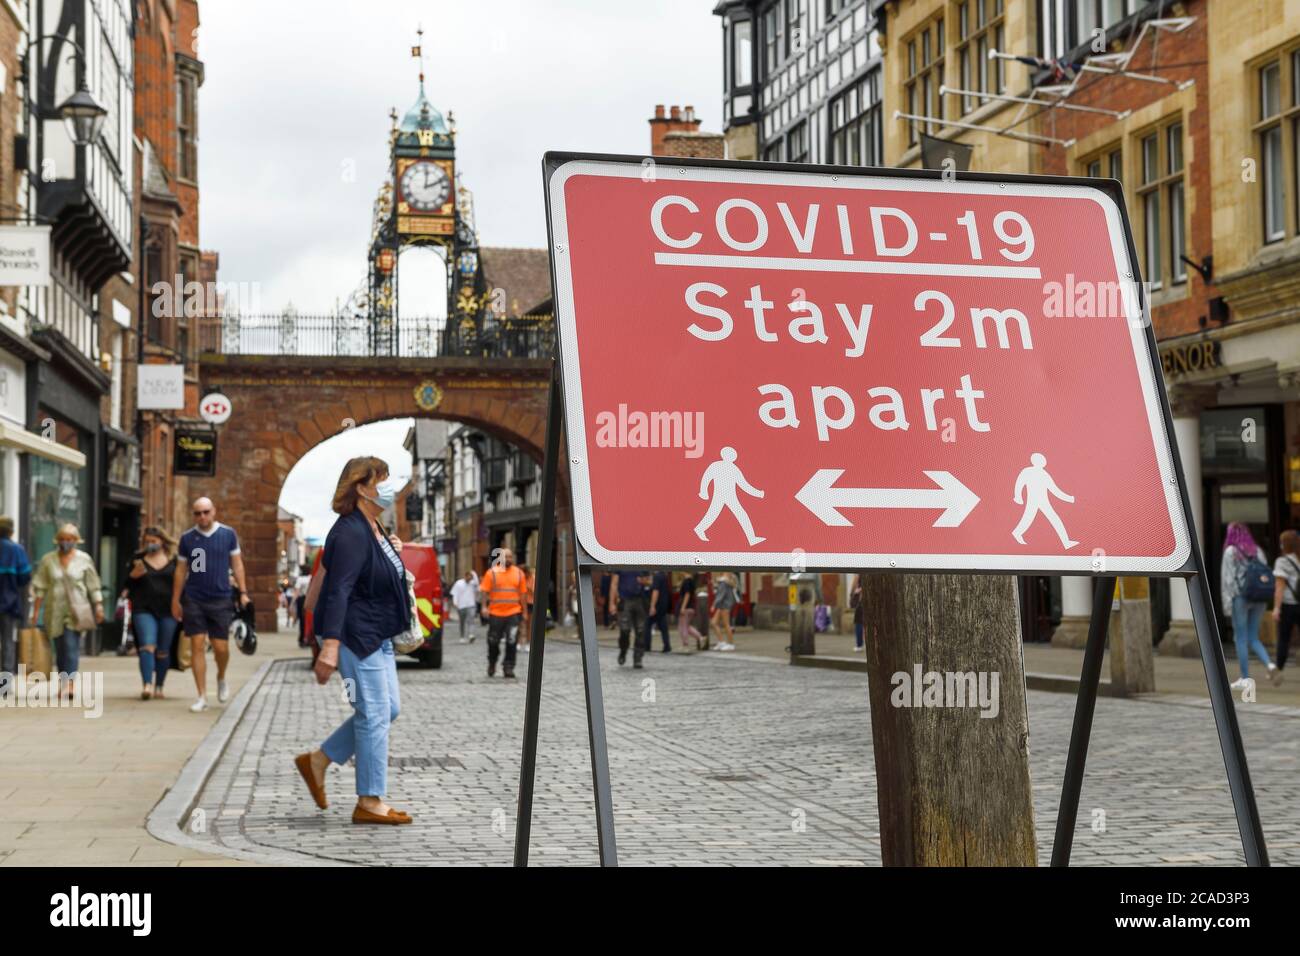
x: 992, y: 153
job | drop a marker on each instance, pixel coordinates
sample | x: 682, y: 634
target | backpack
x: 1257, y: 581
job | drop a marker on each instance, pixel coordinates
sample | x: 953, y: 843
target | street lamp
x: 83, y: 116
x: 81, y: 113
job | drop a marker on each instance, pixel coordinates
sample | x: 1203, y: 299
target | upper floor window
x: 1094, y: 15
x: 925, y: 49
x: 742, y: 54
x: 979, y: 29
x: 796, y: 144
x: 796, y: 12
x: 855, y: 124
x: 771, y: 38
x: 1161, y: 204
x: 1108, y: 163
x: 187, y: 147
x: 1277, y: 135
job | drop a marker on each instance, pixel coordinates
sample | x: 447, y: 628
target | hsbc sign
x: 764, y: 366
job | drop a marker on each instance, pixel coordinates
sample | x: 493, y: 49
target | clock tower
x: 423, y: 205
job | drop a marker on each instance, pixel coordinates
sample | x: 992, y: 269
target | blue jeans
x: 372, y: 686
x: 1246, y: 616
x: 68, y: 651
x: 154, y: 635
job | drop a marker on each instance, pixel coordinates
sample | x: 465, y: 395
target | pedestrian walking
x: 15, y: 575
x: 363, y: 603
x: 66, y: 587
x: 686, y: 613
x: 202, y: 599
x: 14, y: 578
x: 1286, y: 599
x: 1245, y: 587
x: 502, y: 590
x: 526, y: 624
x: 724, y: 599
x: 859, y: 618
x: 631, y: 607
x: 300, y: 586
x: 464, y: 597
x: 661, y: 603
x: 149, y: 586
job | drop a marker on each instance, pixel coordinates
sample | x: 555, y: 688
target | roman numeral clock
x: 421, y: 205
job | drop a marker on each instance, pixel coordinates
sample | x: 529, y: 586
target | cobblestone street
x: 713, y: 761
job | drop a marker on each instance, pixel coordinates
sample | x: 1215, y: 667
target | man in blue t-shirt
x: 207, y: 556
x: 15, y: 575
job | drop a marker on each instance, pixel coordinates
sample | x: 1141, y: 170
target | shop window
x: 58, y: 495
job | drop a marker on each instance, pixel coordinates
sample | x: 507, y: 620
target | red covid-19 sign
x: 776, y: 368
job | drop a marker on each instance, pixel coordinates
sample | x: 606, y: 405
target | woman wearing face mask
x: 66, y: 586
x: 149, y: 586
x: 363, y: 603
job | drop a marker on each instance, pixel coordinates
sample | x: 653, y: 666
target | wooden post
x: 953, y: 786
x: 1132, y: 657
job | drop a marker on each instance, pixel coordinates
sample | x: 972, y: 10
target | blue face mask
x: 385, y: 494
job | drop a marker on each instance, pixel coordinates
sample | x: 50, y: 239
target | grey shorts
x: 208, y: 617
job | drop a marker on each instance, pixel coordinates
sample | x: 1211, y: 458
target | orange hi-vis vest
x: 505, y: 591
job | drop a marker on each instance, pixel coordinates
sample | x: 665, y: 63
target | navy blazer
x: 363, y: 601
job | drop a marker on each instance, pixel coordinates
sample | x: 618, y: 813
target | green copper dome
x: 423, y: 115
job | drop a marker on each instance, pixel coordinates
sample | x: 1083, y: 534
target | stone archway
x: 283, y: 406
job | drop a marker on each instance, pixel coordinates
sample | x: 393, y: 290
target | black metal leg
x: 1225, y: 721
x: 596, y: 717
x: 1103, y: 599
x: 537, y: 644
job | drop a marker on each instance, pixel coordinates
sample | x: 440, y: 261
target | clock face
x: 425, y: 186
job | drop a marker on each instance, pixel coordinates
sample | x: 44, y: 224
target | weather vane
x: 417, y: 51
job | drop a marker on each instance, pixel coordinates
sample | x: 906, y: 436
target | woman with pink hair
x: 1241, y: 555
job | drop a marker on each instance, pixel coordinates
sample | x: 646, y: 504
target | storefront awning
x: 15, y: 437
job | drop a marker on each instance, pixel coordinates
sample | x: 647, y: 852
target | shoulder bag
x: 412, y: 639
x: 79, y: 609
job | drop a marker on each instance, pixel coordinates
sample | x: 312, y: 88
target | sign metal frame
x: 1191, y: 568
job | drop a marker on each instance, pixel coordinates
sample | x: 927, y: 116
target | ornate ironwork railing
x: 407, y: 337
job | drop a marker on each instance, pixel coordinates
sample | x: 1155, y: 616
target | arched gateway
x: 284, y: 405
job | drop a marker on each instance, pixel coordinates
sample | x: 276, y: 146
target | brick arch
x: 285, y: 406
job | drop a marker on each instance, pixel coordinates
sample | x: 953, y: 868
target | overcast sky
x: 294, y: 122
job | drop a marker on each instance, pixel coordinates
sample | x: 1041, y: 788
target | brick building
x: 176, y: 279
x: 679, y: 134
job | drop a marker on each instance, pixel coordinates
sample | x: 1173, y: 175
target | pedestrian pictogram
x: 719, y: 486
x: 1037, y: 485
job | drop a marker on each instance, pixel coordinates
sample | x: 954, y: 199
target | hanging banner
x: 196, y: 451
x: 24, y: 255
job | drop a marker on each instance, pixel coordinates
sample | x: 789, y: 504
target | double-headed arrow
x: 823, y: 499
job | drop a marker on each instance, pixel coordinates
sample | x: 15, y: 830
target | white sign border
x: 575, y: 418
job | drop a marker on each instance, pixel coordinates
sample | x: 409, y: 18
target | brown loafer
x: 391, y: 818
x: 303, y: 763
